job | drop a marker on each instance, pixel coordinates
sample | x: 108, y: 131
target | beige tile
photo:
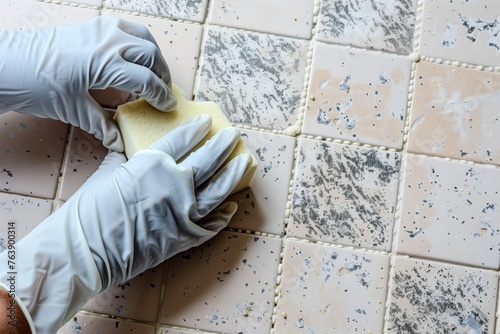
x: 357, y: 95
x: 90, y: 324
x: 282, y: 17
x: 179, y: 43
x: 20, y: 214
x: 429, y: 297
x: 83, y: 158
x: 137, y: 299
x: 226, y: 285
x: 33, y: 14
x: 450, y: 211
x: 467, y: 31
x: 344, y: 194
x: 257, y: 79
x: 325, y: 289
x: 454, y: 113
x: 262, y: 207
x: 31, y: 151
x: 194, y: 10
x: 385, y: 25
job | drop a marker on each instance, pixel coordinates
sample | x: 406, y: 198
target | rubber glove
x: 48, y: 72
x: 128, y: 217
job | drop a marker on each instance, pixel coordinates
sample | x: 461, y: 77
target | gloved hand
x: 128, y: 217
x: 48, y: 72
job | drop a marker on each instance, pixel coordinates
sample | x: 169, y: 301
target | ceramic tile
x: 225, y: 285
x: 357, y: 95
x: 325, y: 289
x: 454, y: 113
x: 81, y: 3
x: 83, y: 158
x: 193, y: 10
x: 31, y: 150
x: 431, y: 297
x: 91, y: 324
x: 180, y: 331
x: 451, y: 29
x: 282, y: 17
x: 33, y: 14
x: 384, y: 25
x: 25, y: 212
x: 450, y: 212
x: 179, y: 43
x: 262, y: 207
x: 344, y: 194
x: 256, y: 79
x: 122, y: 300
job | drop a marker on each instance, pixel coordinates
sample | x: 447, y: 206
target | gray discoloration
x: 187, y: 9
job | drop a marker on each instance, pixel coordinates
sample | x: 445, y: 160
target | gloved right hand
x: 128, y: 217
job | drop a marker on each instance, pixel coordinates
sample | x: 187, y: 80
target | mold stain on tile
x: 344, y: 194
x: 385, y: 25
x: 436, y: 298
x: 188, y: 9
x: 256, y: 79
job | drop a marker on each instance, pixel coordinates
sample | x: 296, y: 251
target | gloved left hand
x: 128, y: 217
x: 48, y: 72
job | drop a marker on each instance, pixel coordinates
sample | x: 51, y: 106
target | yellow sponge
x: 141, y: 125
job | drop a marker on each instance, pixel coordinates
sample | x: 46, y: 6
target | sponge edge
x: 141, y: 125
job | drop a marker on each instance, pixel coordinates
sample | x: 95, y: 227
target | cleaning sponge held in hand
x: 141, y: 125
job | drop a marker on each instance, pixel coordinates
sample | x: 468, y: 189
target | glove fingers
x: 134, y: 29
x: 90, y: 117
x: 207, y: 159
x: 182, y: 139
x: 144, y: 82
x: 147, y: 54
x: 219, y: 218
x: 213, y: 192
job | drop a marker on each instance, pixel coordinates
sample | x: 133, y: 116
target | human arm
x: 48, y: 72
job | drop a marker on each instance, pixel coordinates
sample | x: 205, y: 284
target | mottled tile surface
x: 325, y: 289
x: 454, y: 113
x: 31, y: 151
x: 433, y: 298
x: 137, y: 299
x: 179, y: 43
x: 451, y: 29
x: 83, y: 158
x: 357, y: 95
x: 262, y: 207
x: 380, y: 24
x: 282, y: 17
x: 226, y: 285
x: 256, y: 79
x: 193, y: 10
x: 91, y: 324
x: 450, y: 212
x: 20, y: 214
x: 344, y: 194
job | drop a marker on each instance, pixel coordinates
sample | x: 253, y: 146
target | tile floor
x: 376, y: 205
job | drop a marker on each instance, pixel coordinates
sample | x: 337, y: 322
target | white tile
x: 292, y: 18
x: 357, y: 95
x: 225, y: 285
x: 450, y: 211
x: 91, y: 324
x: 344, y: 194
x: 430, y: 297
x: 325, y: 289
x: 262, y: 207
x: 193, y: 10
x: 256, y: 79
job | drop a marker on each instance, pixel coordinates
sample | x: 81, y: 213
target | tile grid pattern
x: 394, y: 256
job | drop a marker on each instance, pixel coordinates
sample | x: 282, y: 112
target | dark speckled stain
x: 474, y: 26
x: 178, y: 9
x: 437, y: 306
x: 334, y: 199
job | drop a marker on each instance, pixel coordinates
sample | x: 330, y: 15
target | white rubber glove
x: 48, y: 72
x: 128, y: 217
